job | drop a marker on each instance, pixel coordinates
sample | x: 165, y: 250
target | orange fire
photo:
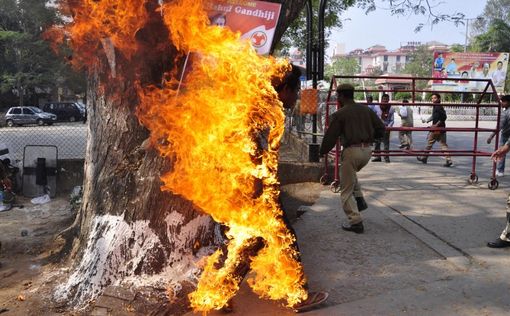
x: 210, y: 126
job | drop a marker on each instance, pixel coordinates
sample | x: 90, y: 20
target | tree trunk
x: 289, y: 12
x: 128, y: 228
x: 128, y: 231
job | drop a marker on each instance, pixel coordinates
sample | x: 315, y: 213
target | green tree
x: 27, y: 64
x: 295, y: 34
x: 27, y: 61
x: 496, y: 39
x: 346, y: 66
x: 457, y: 48
x: 494, y: 10
x: 420, y: 64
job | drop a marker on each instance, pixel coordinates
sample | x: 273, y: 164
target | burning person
x: 287, y: 89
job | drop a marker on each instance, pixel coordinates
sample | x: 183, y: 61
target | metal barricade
x: 474, y: 151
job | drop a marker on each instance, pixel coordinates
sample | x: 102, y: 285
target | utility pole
x: 466, y: 39
x: 467, y: 30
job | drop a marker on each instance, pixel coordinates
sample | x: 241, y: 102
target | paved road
x: 424, y: 247
x: 456, y: 141
x: 70, y: 139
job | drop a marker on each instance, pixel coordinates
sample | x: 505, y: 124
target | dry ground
x: 27, y: 235
x: 29, y: 266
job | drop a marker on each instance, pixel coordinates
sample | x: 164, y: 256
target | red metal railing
x: 472, y: 152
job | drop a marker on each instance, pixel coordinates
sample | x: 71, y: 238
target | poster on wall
x: 255, y: 20
x: 469, y: 66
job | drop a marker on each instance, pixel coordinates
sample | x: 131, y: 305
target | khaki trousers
x: 436, y: 137
x: 353, y: 159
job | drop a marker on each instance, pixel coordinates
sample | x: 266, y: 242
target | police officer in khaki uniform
x: 357, y: 127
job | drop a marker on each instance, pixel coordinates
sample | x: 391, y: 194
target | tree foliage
x: 27, y: 62
x: 494, y: 10
x: 424, y: 7
x: 296, y: 34
x: 346, y: 66
x: 496, y: 39
x: 457, y: 48
x: 420, y: 63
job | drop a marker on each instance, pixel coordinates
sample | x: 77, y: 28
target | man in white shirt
x: 499, y: 75
x: 406, y: 114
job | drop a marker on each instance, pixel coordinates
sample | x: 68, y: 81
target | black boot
x: 498, y: 243
x: 356, y: 228
x: 362, y: 204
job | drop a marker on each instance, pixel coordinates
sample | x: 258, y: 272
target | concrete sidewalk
x: 423, y: 251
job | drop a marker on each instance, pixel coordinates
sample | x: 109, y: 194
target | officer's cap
x: 345, y: 87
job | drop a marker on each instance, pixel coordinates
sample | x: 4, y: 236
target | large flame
x: 212, y: 127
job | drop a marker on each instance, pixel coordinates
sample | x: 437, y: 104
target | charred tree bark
x: 127, y: 227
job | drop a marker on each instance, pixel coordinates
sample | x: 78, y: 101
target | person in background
x: 406, y: 114
x: 504, y: 129
x: 218, y: 20
x: 503, y: 240
x: 438, y: 119
x: 499, y: 75
x: 372, y: 106
x: 451, y: 68
x: 463, y: 84
x: 387, y: 115
x: 480, y: 85
x: 438, y: 62
x: 357, y: 127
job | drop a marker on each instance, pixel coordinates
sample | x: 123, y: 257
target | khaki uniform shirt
x: 353, y: 124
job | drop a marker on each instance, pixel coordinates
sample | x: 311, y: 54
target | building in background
x: 377, y: 60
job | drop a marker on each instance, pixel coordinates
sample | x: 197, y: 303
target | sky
x: 380, y: 27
